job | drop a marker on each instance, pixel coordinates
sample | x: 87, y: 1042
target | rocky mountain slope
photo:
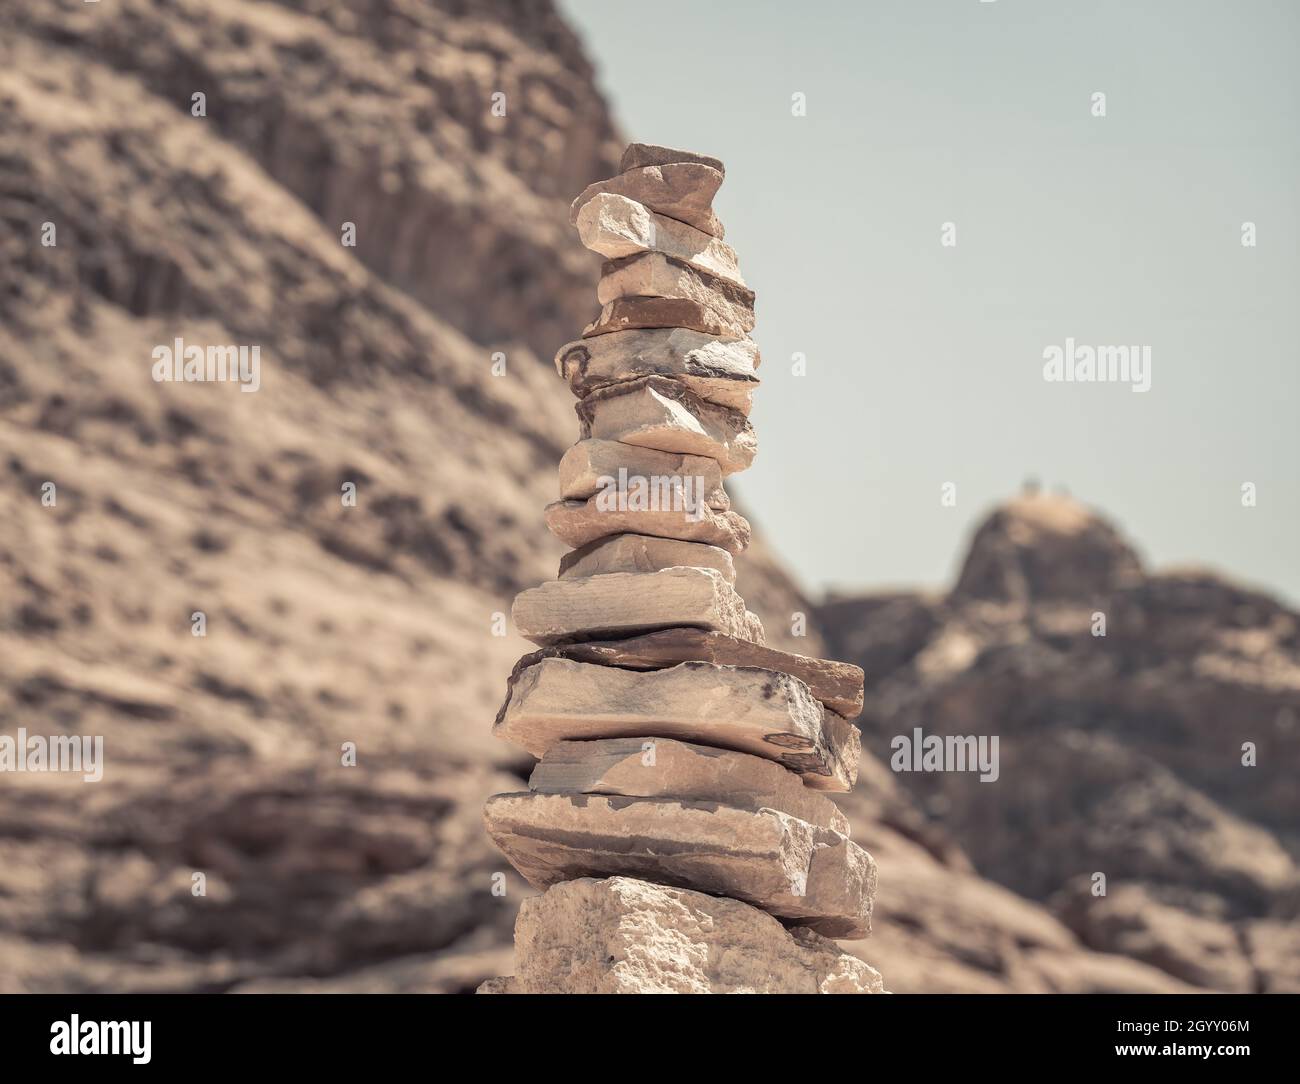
x: 326, y: 624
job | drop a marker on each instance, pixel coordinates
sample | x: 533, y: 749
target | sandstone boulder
x: 812, y: 876
x: 638, y: 155
x: 718, y: 370
x: 655, y: 412
x: 591, y: 466
x: 838, y: 685
x: 630, y: 603
x: 665, y: 768
x: 711, y: 316
x: 680, y: 190
x: 751, y: 710
x: 643, y: 553
x: 654, y: 275
x: 577, y: 523
x: 616, y: 226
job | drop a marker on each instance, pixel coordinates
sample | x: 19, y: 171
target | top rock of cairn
x: 681, y: 759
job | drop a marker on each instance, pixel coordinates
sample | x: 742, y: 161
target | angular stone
x: 588, y: 463
x: 809, y: 875
x: 576, y: 523
x: 664, y: 768
x: 616, y: 226
x: 631, y: 313
x: 654, y: 275
x: 639, y: 155
x: 620, y: 935
x: 631, y: 603
x: 746, y: 708
x: 643, y: 553
x: 718, y: 370
x: 680, y: 190
x: 838, y: 685
x: 754, y: 629
x: 655, y: 412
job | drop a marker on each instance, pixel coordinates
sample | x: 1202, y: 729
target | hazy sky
x: 925, y: 363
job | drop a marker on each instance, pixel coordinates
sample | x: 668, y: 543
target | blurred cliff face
x: 1148, y: 739
x: 279, y: 608
x: 333, y: 187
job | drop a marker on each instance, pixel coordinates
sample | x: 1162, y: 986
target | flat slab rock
x: 652, y: 274
x: 745, y: 708
x: 620, y: 935
x: 590, y: 465
x: 627, y: 313
x: 656, y: 412
x: 680, y: 190
x: 632, y: 603
x: 643, y: 553
x: 651, y: 154
x: 811, y: 876
x: 656, y: 287
x: 665, y: 768
x: 616, y: 226
x: 838, y: 685
x: 576, y: 523
x: 717, y: 369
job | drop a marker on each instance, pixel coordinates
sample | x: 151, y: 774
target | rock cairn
x: 677, y: 819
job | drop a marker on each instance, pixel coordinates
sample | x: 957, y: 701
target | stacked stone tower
x: 678, y: 819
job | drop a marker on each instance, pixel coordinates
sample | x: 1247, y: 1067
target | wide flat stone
x: 655, y: 412
x: 811, y: 876
x: 631, y: 603
x: 631, y: 313
x: 621, y: 935
x: 718, y: 370
x: 643, y: 553
x: 652, y: 274
x: 587, y: 467
x: 577, y: 523
x: 616, y: 226
x: 651, y: 154
x: 666, y: 768
x: 745, y: 708
x: 680, y: 190
x: 838, y: 685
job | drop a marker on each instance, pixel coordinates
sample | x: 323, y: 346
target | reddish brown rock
x: 680, y: 190
x: 718, y: 370
x: 590, y: 466
x: 616, y: 226
x: 838, y: 685
x: 643, y: 553
x: 811, y: 876
x: 728, y: 309
x: 629, y: 313
x: 664, y: 768
x: 577, y: 523
x: 751, y: 710
x: 655, y: 412
x: 631, y: 603
x: 638, y: 155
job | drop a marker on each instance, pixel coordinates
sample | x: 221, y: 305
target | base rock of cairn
x: 677, y: 820
x: 624, y: 936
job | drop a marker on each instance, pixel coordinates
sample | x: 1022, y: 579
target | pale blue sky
x: 925, y: 362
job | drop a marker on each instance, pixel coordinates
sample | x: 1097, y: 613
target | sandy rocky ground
x: 374, y: 624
